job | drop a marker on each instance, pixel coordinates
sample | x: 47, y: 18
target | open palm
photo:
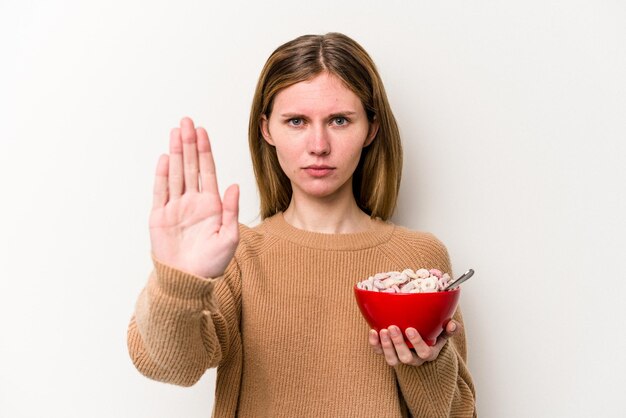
x: 191, y: 228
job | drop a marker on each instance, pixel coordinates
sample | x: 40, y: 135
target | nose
x: 319, y: 143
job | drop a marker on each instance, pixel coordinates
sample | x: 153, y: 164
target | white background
x: 513, y: 121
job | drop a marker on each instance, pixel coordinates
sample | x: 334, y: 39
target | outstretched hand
x: 390, y: 343
x: 191, y: 228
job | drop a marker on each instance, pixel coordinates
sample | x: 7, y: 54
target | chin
x: 323, y: 188
x: 321, y: 194
x: 322, y: 191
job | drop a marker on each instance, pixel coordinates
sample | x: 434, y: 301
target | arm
x: 442, y: 387
x: 184, y: 324
x: 187, y: 317
x: 434, y: 381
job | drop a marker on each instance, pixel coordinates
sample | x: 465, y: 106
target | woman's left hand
x: 391, y: 344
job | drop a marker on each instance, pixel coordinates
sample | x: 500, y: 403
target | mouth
x: 318, y: 170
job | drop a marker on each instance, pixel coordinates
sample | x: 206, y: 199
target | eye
x: 295, y: 121
x: 340, y: 121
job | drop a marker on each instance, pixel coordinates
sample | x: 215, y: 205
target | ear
x: 265, y: 130
x: 373, y: 130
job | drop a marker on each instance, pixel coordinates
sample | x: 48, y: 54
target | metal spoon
x: 453, y: 285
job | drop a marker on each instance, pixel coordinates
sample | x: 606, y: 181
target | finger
x: 423, y: 350
x: 452, y: 328
x: 441, y: 341
x: 388, y: 348
x: 208, y: 178
x: 159, y: 195
x: 230, y: 212
x: 175, y: 180
x: 375, y: 342
x: 190, y: 154
x: 402, y: 350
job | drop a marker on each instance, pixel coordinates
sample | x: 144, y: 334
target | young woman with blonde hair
x: 272, y: 306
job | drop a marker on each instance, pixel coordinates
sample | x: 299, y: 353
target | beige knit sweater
x: 285, y: 333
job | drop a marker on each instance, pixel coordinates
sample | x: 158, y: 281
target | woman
x: 272, y: 306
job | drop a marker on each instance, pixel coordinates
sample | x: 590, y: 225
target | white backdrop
x: 512, y: 116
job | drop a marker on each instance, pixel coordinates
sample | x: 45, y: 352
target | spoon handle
x: 453, y: 285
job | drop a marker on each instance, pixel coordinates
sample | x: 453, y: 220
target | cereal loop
x: 407, y: 281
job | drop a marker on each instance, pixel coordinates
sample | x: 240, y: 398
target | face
x: 319, y: 128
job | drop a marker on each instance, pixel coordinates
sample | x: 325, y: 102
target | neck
x: 327, y: 216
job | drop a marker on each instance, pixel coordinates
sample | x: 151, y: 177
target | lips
x: 318, y: 170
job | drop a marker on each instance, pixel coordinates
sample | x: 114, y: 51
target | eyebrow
x: 332, y: 115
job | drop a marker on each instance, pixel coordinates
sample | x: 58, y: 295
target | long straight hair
x: 376, y: 180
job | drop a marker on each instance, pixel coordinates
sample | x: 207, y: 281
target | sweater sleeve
x: 184, y: 324
x: 443, y: 387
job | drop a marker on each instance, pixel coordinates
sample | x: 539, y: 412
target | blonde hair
x: 376, y: 180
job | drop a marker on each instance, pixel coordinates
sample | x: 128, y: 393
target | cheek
x: 287, y: 161
x: 355, y: 159
x: 354, y: 155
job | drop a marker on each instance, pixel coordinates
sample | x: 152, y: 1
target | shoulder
x: 253, y: 241
x: 422, y: 239
x: 420, y: 248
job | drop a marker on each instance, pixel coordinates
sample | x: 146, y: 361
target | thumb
x: 451, y: 329
x: 230, y: 207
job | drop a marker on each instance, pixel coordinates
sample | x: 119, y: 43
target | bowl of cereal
x: 406, y: 299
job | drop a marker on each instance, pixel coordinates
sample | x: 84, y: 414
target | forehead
x: 325, y: 93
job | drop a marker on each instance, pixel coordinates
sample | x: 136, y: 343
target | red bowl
x: 428, y: 313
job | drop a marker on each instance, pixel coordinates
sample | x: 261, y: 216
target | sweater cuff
x: 430, y: 387
x: 444, y: 367
x: 180, y: 284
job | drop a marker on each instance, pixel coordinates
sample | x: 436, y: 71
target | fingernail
x: 384, y: 337
x: 410, y: 333
x: 393, y: 331
x: 452, y: 327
